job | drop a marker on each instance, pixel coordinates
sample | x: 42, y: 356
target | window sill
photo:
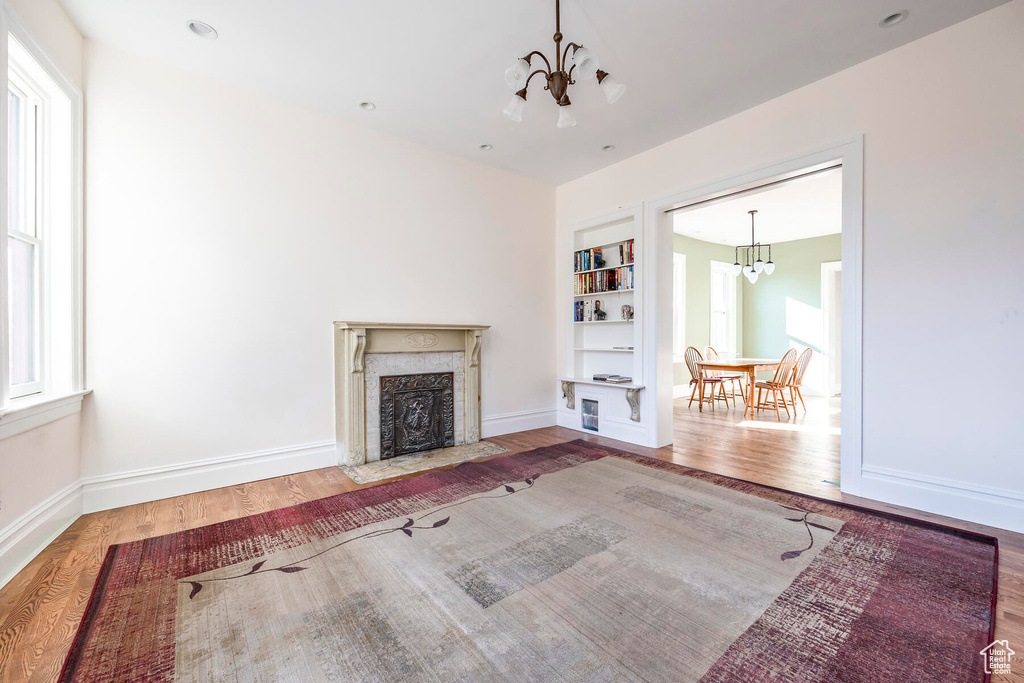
x: 28, y: 413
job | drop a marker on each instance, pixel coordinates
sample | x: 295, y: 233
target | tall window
x: 723, y: 309
x: 678, y: 304
x: 41, y: 347
x: 24, y: 238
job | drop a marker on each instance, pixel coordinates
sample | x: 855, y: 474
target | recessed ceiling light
x: 202, y: 29
x: 608, y: 148
x: 486, y: 147
x: 368, y: 106
x: 893, y: 19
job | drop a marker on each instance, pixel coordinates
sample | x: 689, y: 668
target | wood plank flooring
x: 41, y: 607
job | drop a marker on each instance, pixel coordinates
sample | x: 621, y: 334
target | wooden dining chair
x: 777, y: 386
x: 797, y: 379
x: 692, y: 357
x: 733, y: 380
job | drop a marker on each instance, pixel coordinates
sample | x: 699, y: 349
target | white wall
x: 943, y: 206
x: 55, y: 32
x: 225, y: 231
x: 37, y: 467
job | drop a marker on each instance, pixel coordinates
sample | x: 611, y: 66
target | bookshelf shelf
x: 597, y: 383
x: 606, y: 350
x: 612, y: 292
x: 598, y: 270
x: 603, y: 322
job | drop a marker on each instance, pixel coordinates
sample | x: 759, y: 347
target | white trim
x: 153, y: 483
x: 31, y: 532
x: 989, y: 505
x: 6, y: 20
x: 33, y: 414
x: 657, y: 278
x: 509, y: 423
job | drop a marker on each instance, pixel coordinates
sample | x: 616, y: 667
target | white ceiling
x: 435, y: 68
x: 804, y: 207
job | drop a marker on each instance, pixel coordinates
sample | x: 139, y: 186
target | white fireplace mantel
x: 354, y: 340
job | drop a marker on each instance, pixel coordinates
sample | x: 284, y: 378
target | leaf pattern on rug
x: 406, y: 529
x: 793, y: 554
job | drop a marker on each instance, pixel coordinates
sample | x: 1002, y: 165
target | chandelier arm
x: 565, y: 56
x: 541, y: 54
x: 530, y: 77
x: 571, y: 82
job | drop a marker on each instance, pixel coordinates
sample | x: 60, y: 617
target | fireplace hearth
x: 417, y: 413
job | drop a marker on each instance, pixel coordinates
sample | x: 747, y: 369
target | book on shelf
x: 611, y: 280
x: 626, y: 252
x: 612, y: 379
x: 588, y: 259
x: 591, y: 259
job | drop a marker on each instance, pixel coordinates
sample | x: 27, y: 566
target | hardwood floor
x: 41, y: 607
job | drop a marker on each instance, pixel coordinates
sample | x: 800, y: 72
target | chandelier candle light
x: 584, y: 65
x: 753, y: 271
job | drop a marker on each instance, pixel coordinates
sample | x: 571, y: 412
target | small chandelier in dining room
x: 753, y: 250
x: 584, y: 66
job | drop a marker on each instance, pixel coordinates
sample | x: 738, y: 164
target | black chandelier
x: 584, y: 65
x: 753, y: 271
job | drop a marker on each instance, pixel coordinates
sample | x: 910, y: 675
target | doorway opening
x: 757, y: 373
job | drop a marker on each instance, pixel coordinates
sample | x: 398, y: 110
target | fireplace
x: 405, y: 388
x: 417, y: 413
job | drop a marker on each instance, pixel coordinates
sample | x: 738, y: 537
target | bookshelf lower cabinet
x: 632, y: 393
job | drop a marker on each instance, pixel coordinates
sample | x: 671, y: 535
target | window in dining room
x: 678, y: 305
x: 723, y: 309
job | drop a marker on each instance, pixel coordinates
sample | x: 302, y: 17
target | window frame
x: 61, y: 362
x: 731, y: 296
x: 34, y: 214
x: 678, y: 306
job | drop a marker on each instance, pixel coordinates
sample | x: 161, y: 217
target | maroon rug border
x: 95, y: 601
x: 97, y: 595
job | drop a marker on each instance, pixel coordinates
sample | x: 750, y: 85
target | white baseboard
x: 140, y: 486
x: 1000, y: 508
x: 26, y: 536
x: 496, y: 425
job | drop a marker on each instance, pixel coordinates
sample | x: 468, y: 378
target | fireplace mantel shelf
x: 353, y: 325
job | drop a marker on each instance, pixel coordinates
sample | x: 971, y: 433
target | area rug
x: 419, y: 462
x: 572, y: 562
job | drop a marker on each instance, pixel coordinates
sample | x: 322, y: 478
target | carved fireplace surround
x: 364, y: 352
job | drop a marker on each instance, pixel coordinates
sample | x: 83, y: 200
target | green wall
x: 770, y: 322
x: 766, y: 322
x: 699, y: 255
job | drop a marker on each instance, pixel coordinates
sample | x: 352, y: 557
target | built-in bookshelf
x: 604, y: 281
x: 604, y: 330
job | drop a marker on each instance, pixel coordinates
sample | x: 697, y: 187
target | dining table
x: 748, y: 366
